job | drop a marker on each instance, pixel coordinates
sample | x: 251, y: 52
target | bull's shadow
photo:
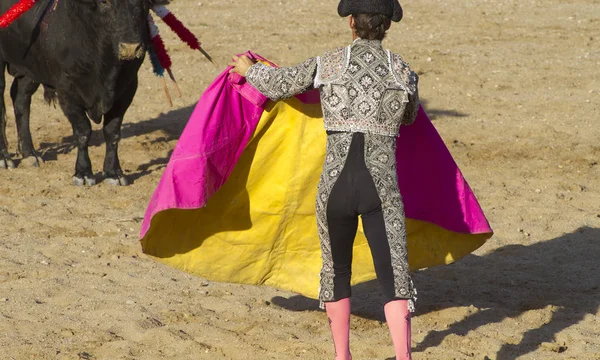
x: 562, y: 272
x: 171, y: 123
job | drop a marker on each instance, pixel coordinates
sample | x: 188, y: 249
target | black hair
x: 371, y: 26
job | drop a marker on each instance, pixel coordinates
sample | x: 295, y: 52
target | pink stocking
x: 398, y: 320
x: 338, y: 313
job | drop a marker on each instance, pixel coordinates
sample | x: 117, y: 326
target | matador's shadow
x: 562, y: 272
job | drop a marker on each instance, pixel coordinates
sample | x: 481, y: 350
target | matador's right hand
x: 240, y: 64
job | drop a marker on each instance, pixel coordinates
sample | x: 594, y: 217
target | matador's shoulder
x: 403, y: 72
x: 331, y: 65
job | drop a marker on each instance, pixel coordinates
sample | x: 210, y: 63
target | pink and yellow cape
x: 236, y: 202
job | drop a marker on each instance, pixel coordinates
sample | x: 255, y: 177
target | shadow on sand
x: 435, y: 114
x: 563, y: 273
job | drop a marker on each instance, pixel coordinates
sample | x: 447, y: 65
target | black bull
x: 86, y: 54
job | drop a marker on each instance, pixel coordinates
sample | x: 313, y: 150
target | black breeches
x: 354, y: 194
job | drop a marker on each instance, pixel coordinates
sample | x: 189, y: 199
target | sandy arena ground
x: 513, y: 87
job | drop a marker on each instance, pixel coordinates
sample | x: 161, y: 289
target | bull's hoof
x: 117, y: 181
x: 32, y: 161
x: 7, y: 164
x: 85, y: 180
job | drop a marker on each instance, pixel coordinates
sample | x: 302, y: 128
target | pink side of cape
x: 432, y: 186
x: 209, y: 147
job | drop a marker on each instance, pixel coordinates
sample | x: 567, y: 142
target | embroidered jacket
x: 363, y: 87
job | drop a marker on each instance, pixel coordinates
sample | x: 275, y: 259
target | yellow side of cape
x: 260, y: 227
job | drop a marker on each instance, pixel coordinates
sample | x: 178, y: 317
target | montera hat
x: 389, y: 8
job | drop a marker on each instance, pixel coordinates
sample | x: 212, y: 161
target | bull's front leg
x: 113, y: 120
x: 5, y: 160
x: 112, y: 135
x: 21, y: 91
x: 82, y: 131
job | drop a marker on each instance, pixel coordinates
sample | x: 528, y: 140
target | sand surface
x: 513, y: 87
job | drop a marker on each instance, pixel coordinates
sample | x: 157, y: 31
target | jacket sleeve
x: 285, y: 82
x: 410, y: 112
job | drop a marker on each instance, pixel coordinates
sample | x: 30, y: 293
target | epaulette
x: 403, y: 73
x: 332, y: 65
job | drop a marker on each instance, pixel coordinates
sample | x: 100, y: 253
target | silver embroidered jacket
x: 363, y: 87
